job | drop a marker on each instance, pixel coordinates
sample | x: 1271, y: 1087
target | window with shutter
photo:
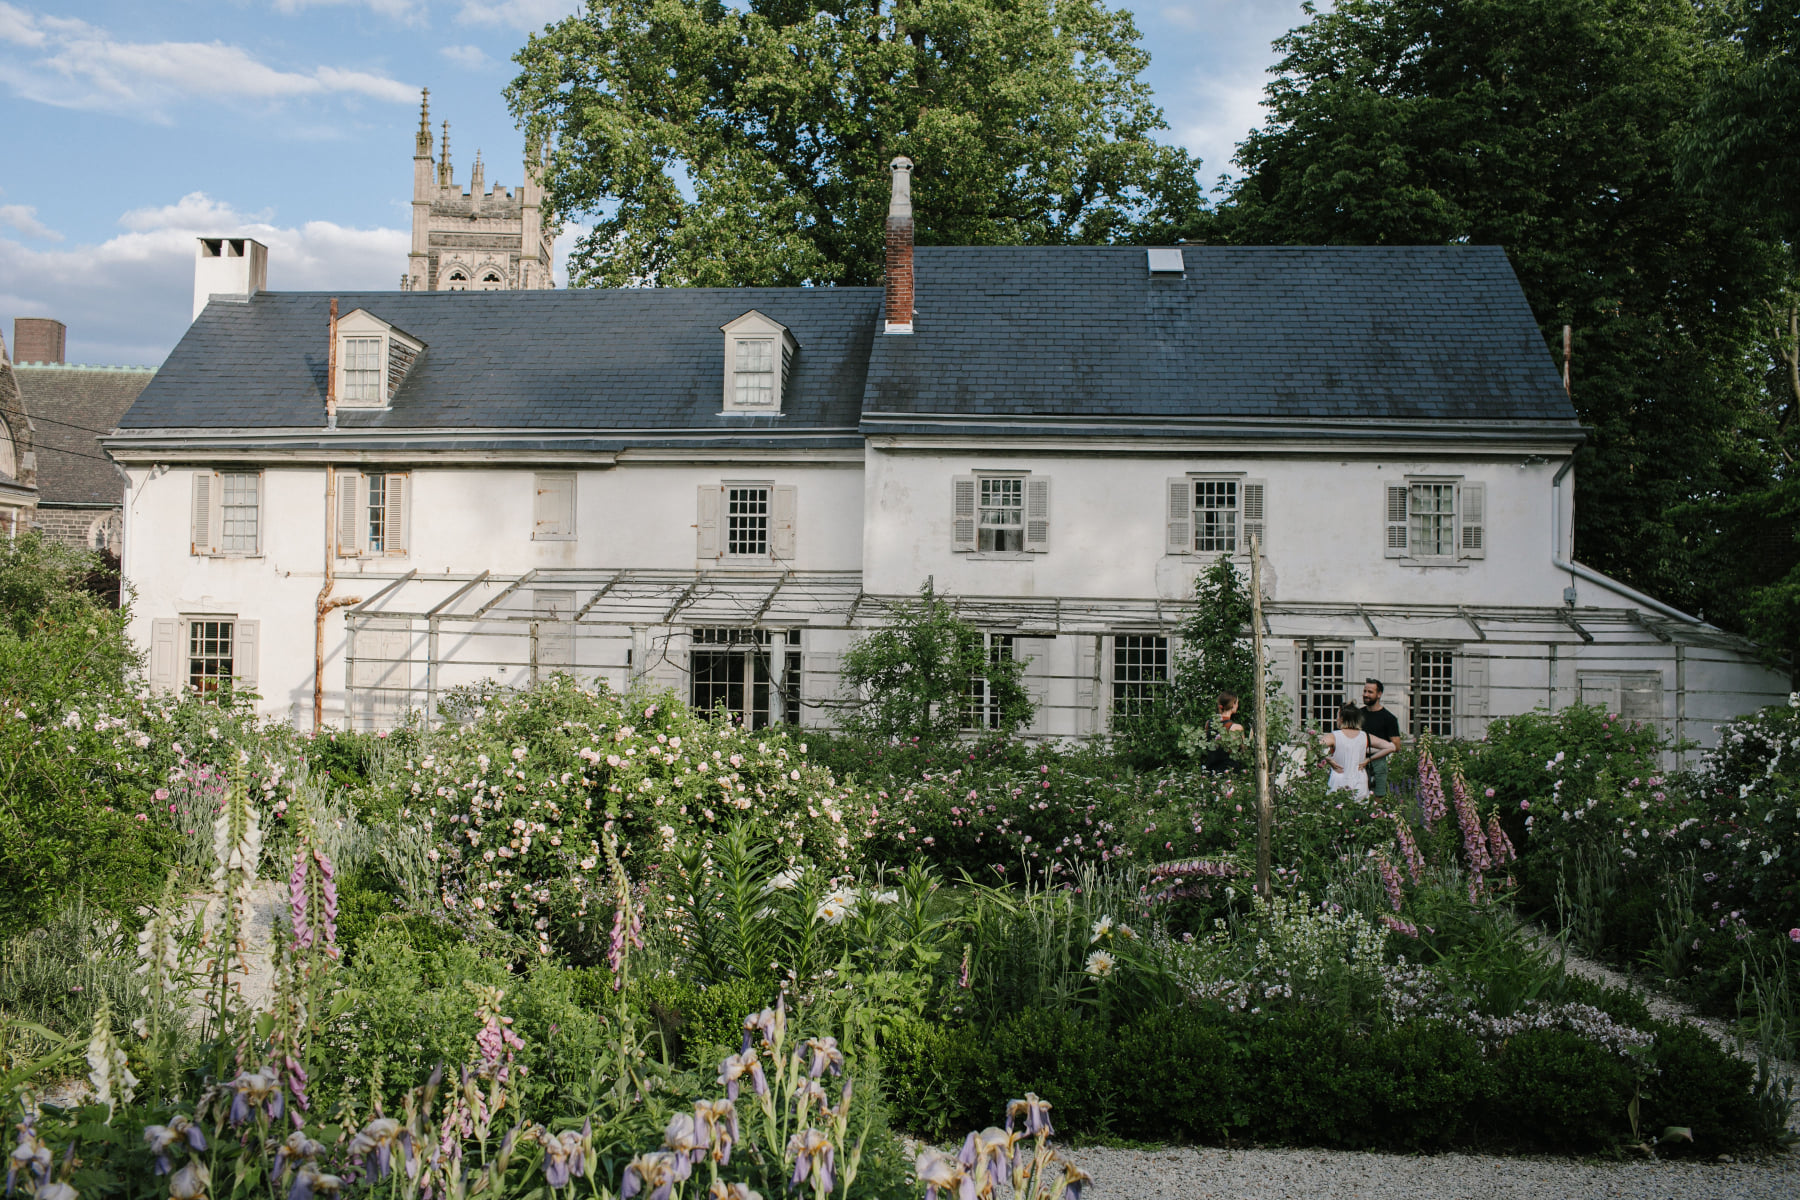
x: 164, y: 649
x: 1216, y: 516
x: 1037, y: 514
x: 781, y: 523
x: 706, y: 524
x: 553, y: 507
x: 962, y: 514
x: 1000, y: 527
x: 353, y: 524
x: 1471, y: 517
x: 200, y: 536
x: 1179, y: 537
x: 1395, y: 509
x: 1255, y: 524
x: 747, y: 520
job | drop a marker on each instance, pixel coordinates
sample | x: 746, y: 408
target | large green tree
x: 1550, y: 127
x: 717, y: 146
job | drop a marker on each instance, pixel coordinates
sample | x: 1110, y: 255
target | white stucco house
x: 717, y: 488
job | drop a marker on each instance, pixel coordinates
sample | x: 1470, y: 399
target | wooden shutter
x: 784, y: 504
x: 1362, y: 666
x: 1471, y: 520
x: 962, y: 514
x: 245, y: 649
x: 1470, y: 697
x: 165, y: 652
x: 1179, y: 537
x: 707, y: 525
x: 1600, y: 688
x: 554, y: 610
x: 393, y: 517
x: 353, y: 527
x: 1037, y: 514
x: 553, y: 506
x: 1254, y: 491
x: 205, y: 517
x: 1392, y: 676
x: 1395, y: 507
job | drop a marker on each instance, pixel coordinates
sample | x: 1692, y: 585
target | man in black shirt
x: 1380, y: 723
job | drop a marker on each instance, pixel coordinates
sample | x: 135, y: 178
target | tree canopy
x: 1552, y: 128
x: 725, y: 147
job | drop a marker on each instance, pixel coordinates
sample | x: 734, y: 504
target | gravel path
x: 1195, y: 1174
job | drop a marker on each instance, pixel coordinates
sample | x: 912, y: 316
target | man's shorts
x: 1378, y: 777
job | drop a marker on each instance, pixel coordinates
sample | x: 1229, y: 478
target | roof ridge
x: 68, y: 366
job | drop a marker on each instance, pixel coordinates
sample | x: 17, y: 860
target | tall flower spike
x: 111, y: 1078
x: 1431, y: 789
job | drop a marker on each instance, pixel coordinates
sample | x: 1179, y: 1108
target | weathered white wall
x: 460, y: 520
x: 1325, y: 530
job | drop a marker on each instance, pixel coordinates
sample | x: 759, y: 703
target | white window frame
x: 1431, y: 696
x: 727, y: 516
x: 1249, y: 514
x: 966, y: 514
x: 206, y: 514
x: 172, y: 657
x: 1308, y: 708
x: 980, y: 713
x: 1467, y: 519
x: 749, y: 330
x: 356, y: 514
x: 1140, y: 684
x: 1007, y: 487
x: 362, y: 326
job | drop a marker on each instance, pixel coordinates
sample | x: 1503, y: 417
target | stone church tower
x: 477, y: 240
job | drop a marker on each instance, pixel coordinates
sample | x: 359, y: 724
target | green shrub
x: 1699, y: 1086
x: 1181, y: 1071
x: 1554, y: 1089
x: 696, y: 1024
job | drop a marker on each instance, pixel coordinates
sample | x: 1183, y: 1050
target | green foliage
x: 1027, y: 123
x: 917, y: 677
x: 1552, y: 128
x: 1213, y: 654
x: 553, y: 766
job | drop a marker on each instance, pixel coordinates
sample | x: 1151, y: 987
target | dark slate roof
x: 1007, y: 337
x: 1388, y: 332
x: 624, y: 359
x: 71, y: 408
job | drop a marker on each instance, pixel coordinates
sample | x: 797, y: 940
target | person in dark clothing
x: 1380, y: 723
x: 1219, y: 757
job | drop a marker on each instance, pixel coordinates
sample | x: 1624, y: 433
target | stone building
x: 490, y: 240
x: 18, y: 459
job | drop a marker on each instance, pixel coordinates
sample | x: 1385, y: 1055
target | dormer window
x: 758, y: 355
x: 373, y: 358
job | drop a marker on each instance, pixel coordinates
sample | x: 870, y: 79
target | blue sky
x: 128, y: 129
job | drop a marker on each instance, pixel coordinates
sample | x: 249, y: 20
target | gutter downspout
x: 1588, y: 573
x: 325, y: 603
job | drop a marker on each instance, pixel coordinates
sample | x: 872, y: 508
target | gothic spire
x: 424, y: 138
x: 445, y: 176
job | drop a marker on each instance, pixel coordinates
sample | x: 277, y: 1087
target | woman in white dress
x: 1347, y: 753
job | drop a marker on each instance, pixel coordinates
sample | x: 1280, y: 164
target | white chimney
x: 235, y: 267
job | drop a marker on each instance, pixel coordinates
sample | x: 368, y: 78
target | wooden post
x: 1265, y: 807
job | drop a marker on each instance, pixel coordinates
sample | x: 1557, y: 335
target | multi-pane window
x: 237, y: 495
x: 1433, y: 706
x: 1321, y: 687
x: 377, y: 513
x: 981, y: 709
x: 1431, y: 520
x: 746, y: 520
x: 751, y: 674
x: 755, y: 372
x: 209, y: 656
x: 1002, y: 515
x: 1215, y: 516
x: 1140, y: 670
x: 362, y: 369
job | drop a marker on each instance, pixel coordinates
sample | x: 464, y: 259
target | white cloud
x: 470, y: 57
x: 530, y: 15
x: 23, y: 218
x: 406, y: 12
x: 127, y: 300
x: 71, y: 64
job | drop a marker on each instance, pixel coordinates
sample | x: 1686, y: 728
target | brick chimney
x: 38, y: 340
x: 897, y: 283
